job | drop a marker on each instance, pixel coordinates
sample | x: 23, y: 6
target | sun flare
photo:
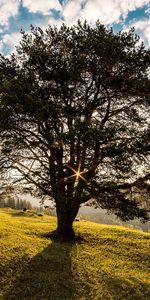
x: 77, y: 173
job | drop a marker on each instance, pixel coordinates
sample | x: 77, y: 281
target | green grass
x: 110, y: 263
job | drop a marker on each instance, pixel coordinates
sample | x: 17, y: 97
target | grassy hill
x: 109, y: 263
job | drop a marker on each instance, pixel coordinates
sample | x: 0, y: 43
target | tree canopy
x: 75, y: 117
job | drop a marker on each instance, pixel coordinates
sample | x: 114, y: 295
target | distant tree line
x: 14, y: 203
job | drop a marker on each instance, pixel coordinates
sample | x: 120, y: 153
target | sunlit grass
x: 110, y: 262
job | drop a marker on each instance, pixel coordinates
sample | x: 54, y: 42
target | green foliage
x: 110, y: 262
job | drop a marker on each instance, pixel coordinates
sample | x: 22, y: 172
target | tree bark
x: 65, y: 216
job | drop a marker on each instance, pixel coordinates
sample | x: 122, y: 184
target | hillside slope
x: 109, y: 263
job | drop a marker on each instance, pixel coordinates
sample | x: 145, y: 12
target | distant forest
x: 14, y: 203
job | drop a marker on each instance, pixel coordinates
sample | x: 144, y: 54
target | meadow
x: 105, y: 263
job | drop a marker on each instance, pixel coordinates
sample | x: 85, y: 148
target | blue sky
x: 119, y: 14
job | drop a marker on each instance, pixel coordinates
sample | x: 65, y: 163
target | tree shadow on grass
x: 47, y: 276
x: 23, y: 214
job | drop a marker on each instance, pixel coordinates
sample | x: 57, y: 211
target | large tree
x: 74, y: 112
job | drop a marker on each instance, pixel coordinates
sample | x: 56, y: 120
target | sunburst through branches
x: 77, y: 173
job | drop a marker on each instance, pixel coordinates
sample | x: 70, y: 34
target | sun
x: 77, y: 173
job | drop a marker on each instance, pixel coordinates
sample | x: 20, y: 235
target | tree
x: 74, y: 106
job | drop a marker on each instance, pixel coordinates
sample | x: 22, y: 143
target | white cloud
x: 1, y: 46
x: 10, y: 40
x: 8, y: 8
x: 53, y: 22
x: 71, y: 10
x: 142, y: 27
x: 107, y: 11
x: 128, y: 5
x: 43, y: 6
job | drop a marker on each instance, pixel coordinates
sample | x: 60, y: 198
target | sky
x: 118, y: 14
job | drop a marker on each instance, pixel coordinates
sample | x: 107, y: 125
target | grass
x: 110, y: 263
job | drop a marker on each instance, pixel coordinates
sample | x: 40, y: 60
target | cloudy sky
x: 119, y: 14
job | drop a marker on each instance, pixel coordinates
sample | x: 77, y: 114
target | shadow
x: 23, y: 214
x: 47, y: 276
x: 51, y: 275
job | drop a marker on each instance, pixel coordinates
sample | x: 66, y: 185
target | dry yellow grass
x: 111, y: 262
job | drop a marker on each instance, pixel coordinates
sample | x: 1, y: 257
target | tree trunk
x: 65, y: 217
